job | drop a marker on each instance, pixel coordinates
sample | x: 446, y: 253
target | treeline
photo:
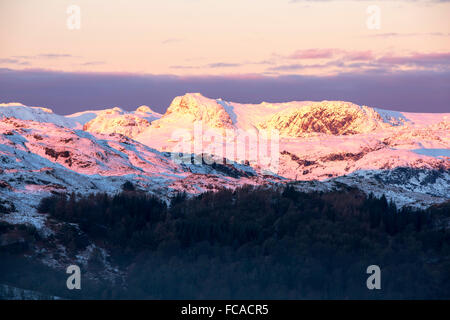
x: 260, y: 243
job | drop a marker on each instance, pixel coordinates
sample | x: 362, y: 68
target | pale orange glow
x: 198, y: 37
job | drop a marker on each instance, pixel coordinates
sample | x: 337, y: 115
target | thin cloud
x: 183, y: 67
x: 92, y: 63
x: 14, y: 61
x: 223, y: 65
x: 171, y: 40
x: 395, y: 34
x: 339, y: 61
x: 328, y: 53
x: 54, y: 56
x: 287, y: 67
x: 422, y: 59
x: 297, y: 66
x: 262, y: 62
x: 48, y: 56
x: 210, y: 65
x: 358, y: 55
x: 314, y: 54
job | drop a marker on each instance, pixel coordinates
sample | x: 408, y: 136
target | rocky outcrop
x: 194, y: 107
x: 335, y: 118
x: 116, y: 120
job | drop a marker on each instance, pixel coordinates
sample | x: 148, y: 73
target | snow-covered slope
x: 297, y: 119
x: 39, y: 114
x: 321, y: 145
x: 83, y: 117
x: 38, y: 160
x: 103, y: 121
x: 318, y: 140
x: 116, y: 120
x: 329, y: 117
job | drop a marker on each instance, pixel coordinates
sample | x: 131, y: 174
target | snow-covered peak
x: 292, y: 119
x: 109, y: 122
x: 116, y: 120
x: 147, y: 113
x: 392, y: 117
x: 328, y: 117
x: 113, y: 111
x: 20, y: 105
x: 39, y: 114
x: 83, y: 117
x: 195, y: 107
x: 146, y: 109
x: 319, y: 141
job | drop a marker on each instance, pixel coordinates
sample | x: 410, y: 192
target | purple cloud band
x: 414, y: 91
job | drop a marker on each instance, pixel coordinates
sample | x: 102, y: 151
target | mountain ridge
x: 320, y: 148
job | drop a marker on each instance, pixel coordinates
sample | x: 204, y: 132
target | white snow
x: 437, y: 153
x: 321, y: 143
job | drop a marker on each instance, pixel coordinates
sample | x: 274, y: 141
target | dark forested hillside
x: 260, y: 244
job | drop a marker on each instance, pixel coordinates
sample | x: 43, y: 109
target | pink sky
x: 133, y: 52
x: 232, y: 37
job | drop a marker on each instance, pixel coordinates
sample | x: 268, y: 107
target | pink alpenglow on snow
x: 202, y: 144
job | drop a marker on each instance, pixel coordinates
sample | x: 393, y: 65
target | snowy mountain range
x: 320, y: 146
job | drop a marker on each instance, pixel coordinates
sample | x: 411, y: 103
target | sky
x: 75, y: 54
